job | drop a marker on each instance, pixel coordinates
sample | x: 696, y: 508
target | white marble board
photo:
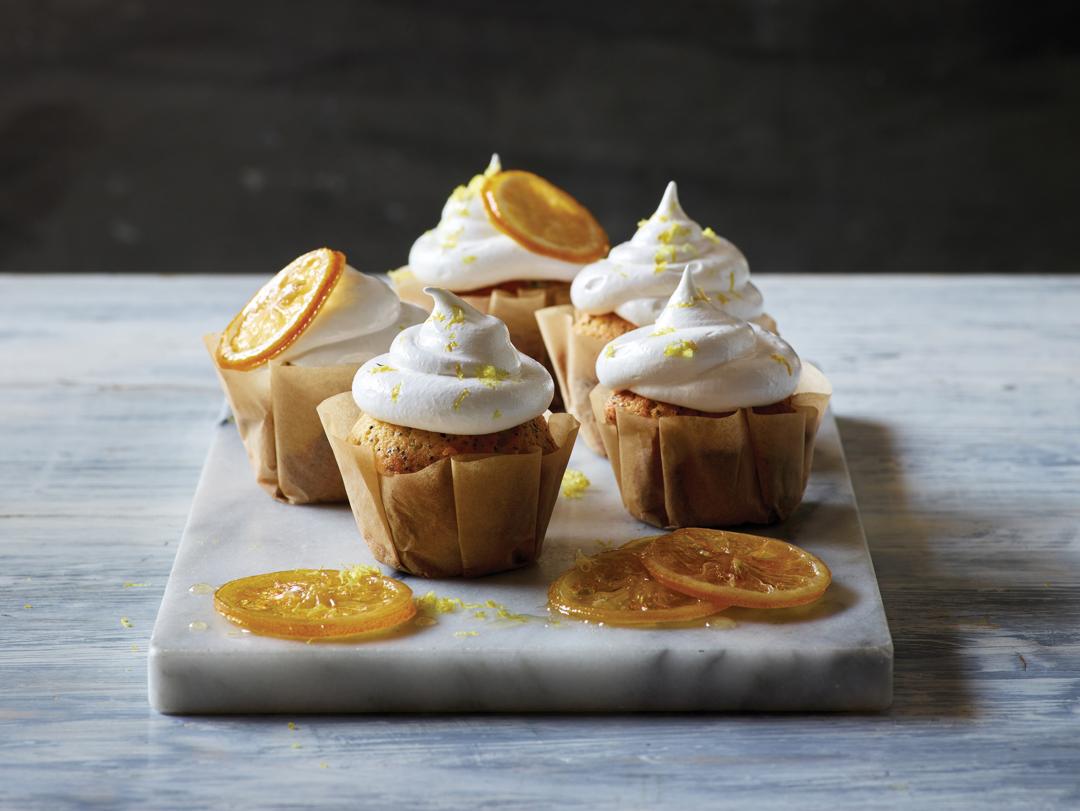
x: 834, y: 655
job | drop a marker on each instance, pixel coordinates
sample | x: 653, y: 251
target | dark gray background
x: 846, y: 135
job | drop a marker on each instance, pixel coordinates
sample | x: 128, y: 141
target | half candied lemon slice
x: 316, y: 603
x: 614, y: 587
x: 281, y: 310
x: 543, y: 218
x: 743, y: 570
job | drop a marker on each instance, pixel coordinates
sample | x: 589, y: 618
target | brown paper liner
x: 746, y: 468
x: 516, y: 309
x: 279, y: 426
x: 465, y: 516
x: 573, y: 362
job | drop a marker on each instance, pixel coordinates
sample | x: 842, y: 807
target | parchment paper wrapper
x: 745, y: 468
x: 516, y: 309
x: 573, y: 360
x: 464, y: 516
x: 275, y: 413
x: 573, y: 363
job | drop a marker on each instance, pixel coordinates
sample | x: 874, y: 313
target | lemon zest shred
x: 126, y: 622
x: 401, y: 274
x: 662, y: 331
x: 491, y: 376
x: 460, y: 399
x: 574, y: 484
x: 395, y: 393
x: 609, y: 351
x: 458, y: 317
x: 462, y: 634
x: 710, y: 234
x: 496, y: 415
x: 459, y: 371
x: 381, y: 367
x: 673, y: 232
x: 468, y: 260
x: 680, y: 349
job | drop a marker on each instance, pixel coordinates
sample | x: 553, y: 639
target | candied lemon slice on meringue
x: 542, y: 217
x: 750, y: 571
x: 316, y: 603
x: 615, y: 588
x: 281, y: 310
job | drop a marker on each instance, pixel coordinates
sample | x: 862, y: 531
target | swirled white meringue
x: 466, y: 252
x: 358, y: 320
x: 636, y: 278
x: 698, y: 356
x: 456, y: 373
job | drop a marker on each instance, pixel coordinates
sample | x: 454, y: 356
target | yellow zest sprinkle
x: 480, y: 615
x: 129, y: 585
x: 700, y: 295
x: 450, y: 347
x: 451, y: 239
x: 438, y: 316
x: 401, y: 274
x: 662, y: 331
x: 496, y: 415
x: 460, y: 399
x: 468, y: 260
x: 574, y: 484
x: 354, y: 575
x: 292, y: 725
x: 731, y: 285
x: 297, y: 746
x: 382, y: 367
x: 659, y: 268
x: 673, y: 232
x: 27, y: 606
x: 460, y: 194
x: 503, y: 613
x: 642, y: 223
x: 710, y: 234
x: 491, y: 376
x: 463, y: 211
x: 324, y: 765
x: 609, y: 351
x: 134, y: 647
x: 663, y: 218
x: 126, y: 622
x: 680, y: 349
x: 491, y: 604
x: 462, y: 634
x: 722, y: 298
x: 395, y: 393
x: 783, y: 362
x: 665, y: 253
x: 459, y: 371
x: 458, y: 317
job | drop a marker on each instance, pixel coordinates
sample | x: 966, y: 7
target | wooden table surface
x: 958, y: 401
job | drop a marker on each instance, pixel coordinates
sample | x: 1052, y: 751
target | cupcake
x: 298, y: 341
x: 450, y: 465
x: 708, y: 420
x: 629, y: 289
x: 509, y: 243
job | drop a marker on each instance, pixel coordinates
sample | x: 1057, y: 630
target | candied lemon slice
x: 316, y: 603
x: 281, y: 310
x: 543, y: 218
x: 614, y: 587
x: 744, y: 570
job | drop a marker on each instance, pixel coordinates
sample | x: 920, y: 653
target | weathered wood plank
x: 959, y: 405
